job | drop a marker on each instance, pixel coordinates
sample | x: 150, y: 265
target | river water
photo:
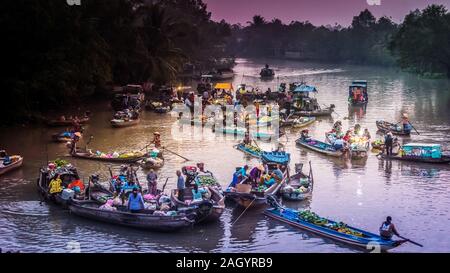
x: 361, y: 194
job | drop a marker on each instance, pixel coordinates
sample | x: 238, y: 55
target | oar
x: 244, y: 211
x: 414, y: 128
x: 412, y: 242
x: 164, y: 186
x: 187, y: 159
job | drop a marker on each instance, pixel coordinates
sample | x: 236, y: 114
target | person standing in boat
x: 388, y: 143
x: 152, y: 178
x: 406, y: 124
x: 156, y: 139
x: 135, y: 201
x: 366, y: 134
x: 387, y: 229
x: 55, y: 185
x: 180, y: 185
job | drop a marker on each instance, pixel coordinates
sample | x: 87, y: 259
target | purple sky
x: 318, y: 12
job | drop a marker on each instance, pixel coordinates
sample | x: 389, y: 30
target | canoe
x: 316, y: 113
x: 319, y: 146
x: 86, y: 155
x: 276, y: 157
x: 207, y: 210
x: 120, y: 123
x: 61, y: 123
x: 16, y: 162
x: 365, y: 239
x: 385, y: 127
x: 303, y: 122
x: 241, y: 132
x: 292, y: 191
x: 145, y: 220
x: 249, y: 150
x: 445, y: 159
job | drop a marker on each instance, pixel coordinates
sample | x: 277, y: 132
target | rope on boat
x: 243, y: 211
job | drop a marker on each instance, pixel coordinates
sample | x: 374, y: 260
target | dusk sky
x: 318, y: 12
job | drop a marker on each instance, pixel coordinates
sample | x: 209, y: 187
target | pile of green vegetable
x: 315, y: 219
x: 205, y: 180
x: 60, y: 162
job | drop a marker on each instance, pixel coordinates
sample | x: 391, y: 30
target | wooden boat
x: 358, y: 89
x: 420, y: 152
x: 303, y: 122
x: 299, y: 186
x: 246, y: 196
x: 250, y: 150
x: 319, y: 146
x: 121, y: 123
x: 356, y: 237
x: 91, y: 156
x: 385, y: 127
x: 207, y: 210
x: 359, y: 147
x: 267, y: 73
x: 254, y: 134
x: 146, y: 220
x: 316, y: 113
x: 16, y: 162
x: 378, y: 145
x: 152, y: 163
x: 67, y: 122
x: 443, y: 160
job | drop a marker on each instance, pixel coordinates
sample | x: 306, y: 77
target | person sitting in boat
x: 278, y: 173
x: 255, y: 174
x: 6, y: 159
x: 201, y: 169
x: 338, y: 143
x: 387, y: 229
x: 270, y: 180
x: 366, y: 134
x: 197, y: 193
x: 337, y: 127
x: 357, y: 130
x: 135, y: 201
x: 247, y: 140
x: 348, y: 136
x: 55, y: 185
x: 406, y: 124
x: 396, y: 147
x: 304, y: 135
x: 77, y: 185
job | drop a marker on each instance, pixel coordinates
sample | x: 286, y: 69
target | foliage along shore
x: 58, y: 55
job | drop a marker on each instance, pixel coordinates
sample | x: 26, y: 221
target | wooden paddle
x: 414, y: 128
x: 187, y: 159
x: 412, y: 242
x: 164, y: 186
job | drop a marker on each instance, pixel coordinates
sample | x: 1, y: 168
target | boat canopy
x: 224, y: 85
x: 276, y: 157
x: 422, y: 150
x: 358, y: 85
x: 305, y: 89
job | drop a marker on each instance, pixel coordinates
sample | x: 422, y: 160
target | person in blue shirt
x: 196, y: 194
x: 338, y: 143
x: 242, y: 173
x: 270, y: 181
x: 135, y: 201
x: 278, y: 173
x: 180, y: 186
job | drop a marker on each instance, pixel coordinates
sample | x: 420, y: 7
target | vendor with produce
x: 152, y: 182
x: 156, y: 139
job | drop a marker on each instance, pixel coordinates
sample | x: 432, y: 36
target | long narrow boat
x: 67, y: 122
x: 208, y: 210
x: 65, y: 137
x: 316, y: 113
x: 385, y: 127
x: 319, y: 146
x: 303, y: 122
x: 254, y: 134
x: 359, y: 146
x: 443, y: 160
x: 245, y: 196
x: 249, y: 149
x: 91, y: 156
x: 16, y: 162
x: 299, y: 186
x: 67, y: 174
x: 121, y: 123
x: 349, y: 235
x: 146, y: 220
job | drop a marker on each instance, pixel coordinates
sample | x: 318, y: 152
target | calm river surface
x: 417, y: 196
